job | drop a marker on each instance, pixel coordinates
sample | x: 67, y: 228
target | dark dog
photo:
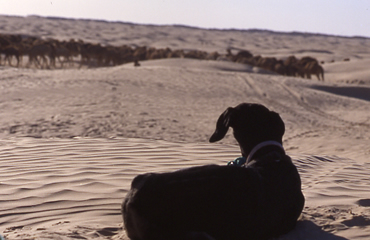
x: 258, y: 200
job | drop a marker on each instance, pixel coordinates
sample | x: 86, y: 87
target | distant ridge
x: 251, y: 30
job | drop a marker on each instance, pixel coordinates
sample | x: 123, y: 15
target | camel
x: 117, y: 55
x: 303, y: 61
x: 140, y: 53
x: 195, y: 54
x: 212, y: 56
x: 293, y: 70
x: 41, y: 50
x: 315, y: 69
x: 290, y: 60
x: 280, y: 68
x: 90, y: 52
x: 254, y: 60
x: 291, y: 67
x: 267, y: 63
x: 242, y: 56
x: 125, y: 54
x: 73, y: 47
x: 4, y: 40
x: 10, y: 52
x: 303, y: 67
x: 307, y: 66
x: 153, y: 53
x: 176, y: 54
x: 61, y: 52
x: 10, y: 46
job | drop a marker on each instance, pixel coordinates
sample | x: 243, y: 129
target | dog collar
x: 239, y: 161
x: 261, y: 145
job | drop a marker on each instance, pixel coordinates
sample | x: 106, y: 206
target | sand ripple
x: 73, y: 188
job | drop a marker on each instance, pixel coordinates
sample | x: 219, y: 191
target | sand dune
x: 73, y: 139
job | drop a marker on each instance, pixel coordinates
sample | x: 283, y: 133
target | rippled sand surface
x: 73, y: 188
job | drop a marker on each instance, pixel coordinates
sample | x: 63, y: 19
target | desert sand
x: 73, y: 139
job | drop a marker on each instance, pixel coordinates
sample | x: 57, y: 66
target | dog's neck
x: 261, y: 145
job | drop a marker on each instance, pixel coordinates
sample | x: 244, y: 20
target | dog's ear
x: 223, y: 124
x: 278, y: 126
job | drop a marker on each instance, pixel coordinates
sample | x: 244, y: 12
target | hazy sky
x: 339, y: 17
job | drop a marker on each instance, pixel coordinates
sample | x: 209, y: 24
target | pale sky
x: 338, y: 17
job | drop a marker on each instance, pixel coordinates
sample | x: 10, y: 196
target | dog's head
x: 252, y: 124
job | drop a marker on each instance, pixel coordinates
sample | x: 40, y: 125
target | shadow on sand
x: 307, y: 230
x: 362, y: 93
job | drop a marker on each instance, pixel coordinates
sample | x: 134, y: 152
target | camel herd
x: 291, y: 66
x: 52, y: 53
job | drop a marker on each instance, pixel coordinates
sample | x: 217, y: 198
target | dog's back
x: 195, y: 199
x: 259, y: 201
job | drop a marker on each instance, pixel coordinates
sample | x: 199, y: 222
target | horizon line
x: 296, y: 32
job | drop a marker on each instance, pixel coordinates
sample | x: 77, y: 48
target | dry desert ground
x: 73, y: 138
